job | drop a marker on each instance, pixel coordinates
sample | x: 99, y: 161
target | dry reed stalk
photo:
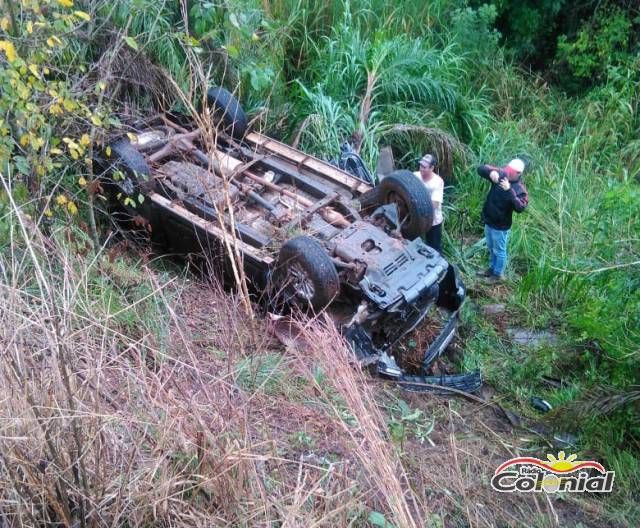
x: 72, y: 452
x: 199, y: 82
x: 384, y: 471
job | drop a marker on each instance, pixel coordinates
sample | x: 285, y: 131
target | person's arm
x: 489, y: 172
x: 519, y: 198
x: 437, y: 195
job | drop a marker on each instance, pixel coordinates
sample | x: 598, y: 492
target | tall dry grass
x: 101, y: 423
x: 352, y: 402
x: 96, y: 428
x: 114, y: 414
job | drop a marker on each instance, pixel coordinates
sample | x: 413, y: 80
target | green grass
x: 269, y: 374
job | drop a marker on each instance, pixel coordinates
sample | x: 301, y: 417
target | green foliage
x: 529, y: 26
x: 262, y: 373
x: 37, y: 101
x: 360, y: 85
x: 405, y: 420
x: 601, y: 43
x: 379, y: 520
x: 474, y: 30
x: 246, y: 38
x: 269, y: 374
x: 158, y: 30
x: 608, y: 292
x: 303, y: 440
x: 573, y: 42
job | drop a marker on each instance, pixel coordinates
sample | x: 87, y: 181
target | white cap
x: 516, y: 164
x: 428, y: 160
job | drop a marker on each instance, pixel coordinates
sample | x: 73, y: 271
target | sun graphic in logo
x: 562, y: 464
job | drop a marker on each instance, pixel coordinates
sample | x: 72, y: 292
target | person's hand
x: 494, y: 176
x: 504, y: 184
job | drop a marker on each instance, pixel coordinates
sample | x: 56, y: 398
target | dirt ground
x: 449, y: 452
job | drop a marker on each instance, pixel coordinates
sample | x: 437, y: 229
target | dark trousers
x: 434, y: 237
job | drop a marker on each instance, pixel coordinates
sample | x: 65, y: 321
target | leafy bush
x: 601, y: 43
x: 474, y: 30
x: 40, y: 104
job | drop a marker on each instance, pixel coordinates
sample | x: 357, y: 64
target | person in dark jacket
x: 507, y: 194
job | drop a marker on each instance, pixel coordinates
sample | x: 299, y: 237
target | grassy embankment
x: 447, y: 88
x: 125, y: 401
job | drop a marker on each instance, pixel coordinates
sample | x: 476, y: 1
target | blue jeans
x: 497, y: 244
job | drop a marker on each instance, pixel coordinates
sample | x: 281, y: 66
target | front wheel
x: 304, y: 275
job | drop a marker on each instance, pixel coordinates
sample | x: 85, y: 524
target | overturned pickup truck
x: 310, y: 235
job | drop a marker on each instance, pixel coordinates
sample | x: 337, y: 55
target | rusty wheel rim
x: 299, y: 283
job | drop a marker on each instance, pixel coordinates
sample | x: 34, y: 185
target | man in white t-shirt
x: 435, y: 185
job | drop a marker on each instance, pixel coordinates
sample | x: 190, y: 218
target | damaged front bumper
x: 387, y: 367
x: 442, y: 385
x: 450, y: 296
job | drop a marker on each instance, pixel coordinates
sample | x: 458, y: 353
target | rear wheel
x: 412, y: 199
x: 305, y: 276
x: 128, y: 170
x: 228, y: 110
x: 128, y: 166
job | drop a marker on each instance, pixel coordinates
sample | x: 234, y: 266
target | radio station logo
x: 554, y: 475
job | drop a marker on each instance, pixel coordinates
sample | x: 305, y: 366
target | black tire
x: 304, y: 255
x: 125, y: 158
x: 413, y: 200
x: 227, y: 108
